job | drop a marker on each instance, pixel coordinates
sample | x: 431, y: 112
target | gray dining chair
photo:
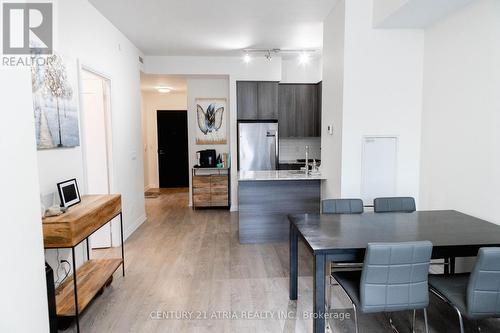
x: 342, y: 206
x: 475, y: 295
x: 394, y: 205
x: 349, y: 260
x: 394, y: 278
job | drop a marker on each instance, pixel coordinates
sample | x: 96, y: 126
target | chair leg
x: 413, y: 321
x: 477, y: 327
x: 355, y: 317
x: 460, y: 319
x: 394, y: 329
x: 425, y: 321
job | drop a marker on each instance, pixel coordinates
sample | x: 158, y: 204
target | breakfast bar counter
x: 267, y: 197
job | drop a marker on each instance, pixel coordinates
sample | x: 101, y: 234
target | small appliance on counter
x: 207, y: 158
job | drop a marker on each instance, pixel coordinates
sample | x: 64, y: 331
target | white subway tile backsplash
x: 294, y: 148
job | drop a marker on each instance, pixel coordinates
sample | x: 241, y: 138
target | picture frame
x: 69, y: 193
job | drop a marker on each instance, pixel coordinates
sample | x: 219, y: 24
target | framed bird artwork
x: 211, y: 115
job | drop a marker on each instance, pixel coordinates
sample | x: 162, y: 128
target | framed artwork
x: 211, y: 115
x: 55, y: 103
x: 68, y: 193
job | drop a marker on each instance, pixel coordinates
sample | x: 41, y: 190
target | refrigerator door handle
x: 276, y: 142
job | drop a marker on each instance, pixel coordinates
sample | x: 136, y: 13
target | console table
x: 211, y: 187
x: 69, y: 230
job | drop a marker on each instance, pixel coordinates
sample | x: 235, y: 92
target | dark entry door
x: 173, y: 165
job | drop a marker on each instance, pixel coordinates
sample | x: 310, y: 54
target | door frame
x: 158, y: 139
x: 109, y: 139
x: 108, y: 127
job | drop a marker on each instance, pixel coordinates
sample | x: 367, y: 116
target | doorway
x: 173, y: 157
x: 97, y: 144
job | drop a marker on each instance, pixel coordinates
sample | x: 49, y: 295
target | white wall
x: 382, y: 96
x: 461, y: 140
x: 24, y: 299
x: 332, y: 101
x: 292, y: 71
x: 83, y: 34
x: 152, y: 102
x: 204, y: 88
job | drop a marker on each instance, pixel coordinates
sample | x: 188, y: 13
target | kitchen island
x: 267, y: 197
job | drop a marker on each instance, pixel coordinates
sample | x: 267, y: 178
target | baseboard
x: 130, y: 230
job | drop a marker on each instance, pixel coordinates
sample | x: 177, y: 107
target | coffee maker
x: 207, y: 158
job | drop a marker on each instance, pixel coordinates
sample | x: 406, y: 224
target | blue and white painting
x: 211, y: 120
x: 55, y: 103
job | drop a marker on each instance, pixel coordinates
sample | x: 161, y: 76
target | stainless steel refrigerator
x: 258, y: 146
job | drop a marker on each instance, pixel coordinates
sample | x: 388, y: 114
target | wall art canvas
x: 211, y: 115
x: 55, y: 102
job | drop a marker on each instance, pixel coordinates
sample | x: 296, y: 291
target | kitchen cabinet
x: 299, y: 108
x: 286, y: 110
x: 257, y: 100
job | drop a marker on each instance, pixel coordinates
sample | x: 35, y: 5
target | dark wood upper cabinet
x: 286, y: 110
x: 257, y: 100
x: 268, y: 100
x: 247, y: 100
x: 299, y: 110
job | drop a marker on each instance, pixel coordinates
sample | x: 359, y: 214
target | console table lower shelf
x: 91, y: 278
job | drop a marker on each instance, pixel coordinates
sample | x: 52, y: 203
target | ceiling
x: 419, y: 14
x: 217, y: 27
x: 149, y: 83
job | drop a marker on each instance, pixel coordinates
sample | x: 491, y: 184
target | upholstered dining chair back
x: 394, y: 276
x: 342, y: 206
x: 394, y: 204
x: 483, y: 290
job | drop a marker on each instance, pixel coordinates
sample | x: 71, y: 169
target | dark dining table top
x: 327, y: 232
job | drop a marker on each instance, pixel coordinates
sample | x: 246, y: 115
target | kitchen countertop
x: 277, y: 175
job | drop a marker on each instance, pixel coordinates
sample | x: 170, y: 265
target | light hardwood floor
x: 185, y: 260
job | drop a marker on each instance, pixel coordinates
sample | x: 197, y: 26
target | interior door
x: 379, y: 168
x: 173, y: 158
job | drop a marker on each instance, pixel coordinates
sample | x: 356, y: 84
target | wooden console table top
x: 80, y: 221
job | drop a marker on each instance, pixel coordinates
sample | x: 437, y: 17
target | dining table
x: 336, y: 237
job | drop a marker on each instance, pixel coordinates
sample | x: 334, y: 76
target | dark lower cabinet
x: 264, y: 207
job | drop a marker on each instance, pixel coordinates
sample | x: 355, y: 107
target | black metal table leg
x: 319, y: 293
x: 75, y: 291
x: 294, y: 262
x: 88, y: 250
x: 452, y: 265
x: 123, y: 252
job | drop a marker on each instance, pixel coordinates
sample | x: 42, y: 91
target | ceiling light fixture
x: 304, y: 55
x: 247, y: 58
x: 163, y: 90
x: 304, y: 58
